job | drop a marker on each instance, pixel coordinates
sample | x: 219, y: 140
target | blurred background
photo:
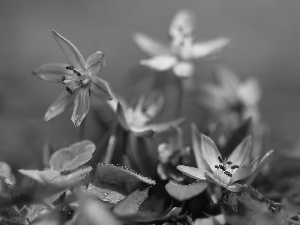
x: 266, y: 36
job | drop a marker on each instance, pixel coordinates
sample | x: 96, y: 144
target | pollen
x: 76, y: 73
x: 63, y: 79
x: 220, y: 159
x: 70, y: 67
x: 69, y: 90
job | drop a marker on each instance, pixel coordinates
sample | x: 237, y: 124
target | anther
x: 216, y: 166
x: 222, y: 167
x: 76, y: 73
x: 235, y: 167
x: 220, y: 159
x: 229, y: 162
x: 228, y: 173
x: 69, y: 90
x: 70, y: 67
x: 63, y: 78
x: 81, y: 84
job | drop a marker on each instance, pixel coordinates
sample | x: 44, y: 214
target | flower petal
x: 100, y: 89
x: 240, y: 154
x: 61, y: 104
x: 184, y: 69
x: 244, y: 172
x: 210, y: 152
x: 121, y: 116
x: 183, y: 24
x: 196, y: 140
x: 207, y: 48
x: 227, y: 79
x: 160, y: 62
x: 212, y: 178
x: 81, y: 106
x: 95, y: 63
x: 162, y: 127
x: 142, y: 131
x: 249, y: 92
x: 150, y: 46
x: 71, y: 52
x: 236, y: 187
x: 192, y: 172
x: 52, y: 72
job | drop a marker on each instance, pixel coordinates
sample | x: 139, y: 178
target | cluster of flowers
x: 231, y: 102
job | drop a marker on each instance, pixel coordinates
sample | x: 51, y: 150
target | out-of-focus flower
x: 172, y: 154
x: 182, y: 49
x: 230, y: 98
x: 223, y: 172
x: 80, y: 77
x: 138, y: 119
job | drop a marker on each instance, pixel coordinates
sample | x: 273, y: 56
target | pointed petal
x: 95, y: 63
x: 245, y: 171
x: 236, y: 187
x: 207, y: 48
x: 121, y: 116
x: 211, y: 177
x: 184, y: 69
x: 71, y: 52
x: 52, y: 72
x: 100, y: 89
x: 150, y: 46
x: 196, y: 140
x: 210, y: 152
x: 240, y: 155
x: 183, y: 24
x: 81, y: 106
x: 61, y: 104
x: 227, y: 79
x: 162, y: 127
x: 160, y: 62
x: 192, y: 172
x: 142, y: 132
x: 249, y: 92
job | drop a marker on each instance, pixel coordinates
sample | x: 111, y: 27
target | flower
x: 80, y: 77
x: 171, y: 154
x: 137, y: 119
x: 231, y: 97
x: 182, y: 49
x: 223, y: 172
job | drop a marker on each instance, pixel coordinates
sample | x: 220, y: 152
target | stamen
x: 229, y: 162
x: 69, y: 90
x: 220, y: 159
x: 81, y: 84
x: 216, y: 166
x: 76, y: 73
x: 222, y: 167
x: 63, y: 78
x: 228, y: 173
x: 70, y: 67
x: 235, y: 167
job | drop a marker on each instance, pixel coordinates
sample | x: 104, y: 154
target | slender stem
x: 178, y: 108
x: 81, y: 130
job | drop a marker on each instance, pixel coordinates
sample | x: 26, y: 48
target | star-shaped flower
x: 138, y: 119
x: 80, y: 77
x: 182, y: 49
x: 171, y: 154
x: 230, y: 96
x: 221, y: 171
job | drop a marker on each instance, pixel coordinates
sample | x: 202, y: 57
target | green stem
x: 178, y: 108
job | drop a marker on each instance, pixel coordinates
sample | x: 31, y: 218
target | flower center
x: 74, y: 82
x: 225, y: 166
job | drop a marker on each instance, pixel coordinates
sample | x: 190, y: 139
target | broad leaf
x: 72, y: 157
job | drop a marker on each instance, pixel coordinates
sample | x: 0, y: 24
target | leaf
x: 72, y: 157
x: 42, y: 177
x: 105, y: 192
x: 128, y: 180
x: 185, y: 192
x: 12, y: 215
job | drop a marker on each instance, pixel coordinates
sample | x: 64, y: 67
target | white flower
x: 182, y: 49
